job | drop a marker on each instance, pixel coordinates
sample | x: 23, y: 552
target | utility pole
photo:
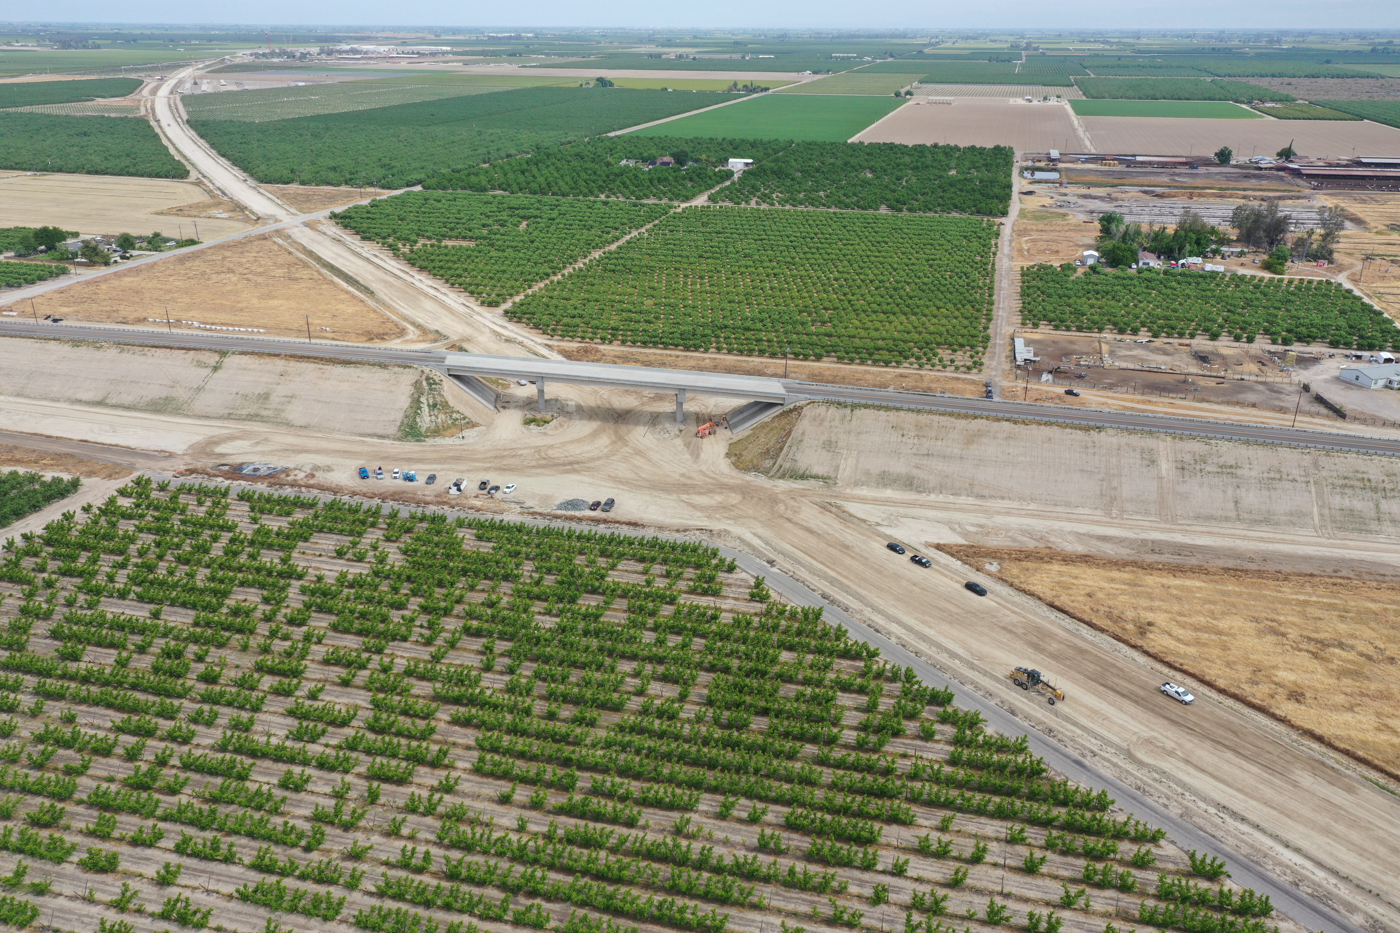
x: 786, y: 350
x: 1298, y: 406
x: 168, y: 326
x: 32, y: 311
x: 308, y: 328
x: 196, y: 228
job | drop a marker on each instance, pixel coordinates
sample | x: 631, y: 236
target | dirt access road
x: 1239, y: 777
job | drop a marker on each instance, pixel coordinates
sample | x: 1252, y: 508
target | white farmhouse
x: 1383, y: 376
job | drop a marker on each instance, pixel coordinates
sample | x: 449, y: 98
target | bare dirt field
x: 880, y: 377
x: 1320, y: 139
x: 28, y: 458
x: 309, y: 199
x: 256, y: 283
x: 1205, y: 181
x: 355, y: 399
x: 93, y: 204
x: 1037, y: 91
x: 978, y: 122
x: 1055, y: 242
x: 1315, y: 652
x: 1334, y: 88
x: 214, y: 209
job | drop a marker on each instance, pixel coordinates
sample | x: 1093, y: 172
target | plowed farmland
x: 269, y: 705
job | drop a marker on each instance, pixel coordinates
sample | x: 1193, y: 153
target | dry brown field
x: 1322, y: 139
x: 256, y: 282
x: 309, y: 199
x: 999, y: 90
x: 1316, y: 652
x: 978, y: 122
x: 93, y: 204
x: 879, y: 377
x: 13, y: 456
x: 213, y: 208
x: 1055, y: 242
x: 1334, y: 88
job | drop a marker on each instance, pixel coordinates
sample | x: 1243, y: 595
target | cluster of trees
x: 614, y: 167
x: 875, y: 176
x: 1176, y: 89
x: 1119, y: 241
x: 815, y: 284
x: 27, y: 273
x: 26, y: 241
x: 64, y: 92
x: 22, y: 493
x: 406, y: 144
x: 495, y: 246
x: 1265, y: 227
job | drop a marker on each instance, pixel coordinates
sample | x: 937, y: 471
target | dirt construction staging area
x: 974, y: 121
x: 1313, y: 139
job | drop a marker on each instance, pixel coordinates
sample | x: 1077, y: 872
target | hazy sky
x: 767, y: 14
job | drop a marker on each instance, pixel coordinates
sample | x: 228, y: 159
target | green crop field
x: 1175, y: 89
x: 1191, y: 304
x: 409, y: 143
x: 1301, y: 111
x: 856, y: 82
x: 1198, y: 109
x: 27, y: 273
x: 830, y: 118
x: 828, y: 284
x: 64, y: 92
x: 82, y: 61
x: 1381, y: 111
x: 875, y: 176
x: 1223, y: 66
x: 286, y: 103
x: 23, y: 493
x: 593, y: 168
x: 418, y: 722
x: 691, y: 84
x: 495, y: 246
x: 797, y: 62
x: 85, y: 145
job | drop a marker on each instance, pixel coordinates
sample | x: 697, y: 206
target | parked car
x: 897, y: 548
x: 593, y: 506
x: 378, y: 472
x: 483, y: 484
x: 364, y: 472
x: 510, y: 488
x: 454, y: 489
x: 460, y: 482
x: 1178, y: 693
x: 432, y: 478
x: 493, y: 490
x: 396, y: 472
x: 975, y: 587
x: 608, y: 504
x: 1074, y: 392
x: 410, y: 477
x: 920, y: 560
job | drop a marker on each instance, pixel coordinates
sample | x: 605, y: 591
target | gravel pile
x: 573, y: 505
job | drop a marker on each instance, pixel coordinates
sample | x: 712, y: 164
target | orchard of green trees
x: 23, y: 492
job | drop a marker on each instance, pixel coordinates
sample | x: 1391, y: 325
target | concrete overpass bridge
x: 764, y: 395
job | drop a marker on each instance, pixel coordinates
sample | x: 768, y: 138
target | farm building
x: 1385, y: 179
x: 1089, y: 258
x: 740, y: 164
x: 1384, y: 376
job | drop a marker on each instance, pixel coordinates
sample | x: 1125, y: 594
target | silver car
x: 1178, y: 693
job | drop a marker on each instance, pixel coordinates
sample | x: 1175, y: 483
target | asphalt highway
x: 994, y: 408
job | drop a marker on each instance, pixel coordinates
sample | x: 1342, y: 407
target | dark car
x: 920, y: 560
x: 897, y: 548
x: 608, y: 504
x: 432, y: 478
x: 483, y: 484
x: 1074, y: 392
x: 977, y: 588
x: 493, y: 490
x: 593, y: 506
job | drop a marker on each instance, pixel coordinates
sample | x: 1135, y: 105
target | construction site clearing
x: 1280, y: 379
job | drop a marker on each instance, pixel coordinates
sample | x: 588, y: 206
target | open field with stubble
x: 1315, y: 652
x: 993, y: 121
x: 93, y: 204
x: 1322, y: 139
x: 260, y: 283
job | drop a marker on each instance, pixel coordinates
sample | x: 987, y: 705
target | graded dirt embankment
x: 347, y: 398
x: 1315, y: 652
x: 256, y: 283
x: 1124, y: 475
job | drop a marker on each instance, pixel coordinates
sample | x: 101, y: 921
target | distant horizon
x: 1370, y: 17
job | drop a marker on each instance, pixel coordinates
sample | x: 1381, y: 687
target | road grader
x: 1034, y: 681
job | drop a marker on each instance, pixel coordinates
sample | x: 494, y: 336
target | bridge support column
x: 539, y: 394
x: 680, y: 407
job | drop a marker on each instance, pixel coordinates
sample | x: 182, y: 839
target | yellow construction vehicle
x: 1035, y: 681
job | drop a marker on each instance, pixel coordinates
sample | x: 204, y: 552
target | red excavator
x: 707, y: 429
